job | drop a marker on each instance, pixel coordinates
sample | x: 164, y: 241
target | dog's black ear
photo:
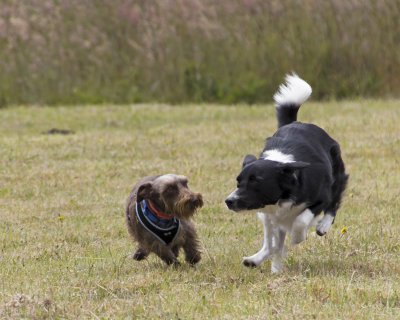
x: 291, y: 167
x: 248, y: 159
x: 144, y: 191
x: 290, y: 172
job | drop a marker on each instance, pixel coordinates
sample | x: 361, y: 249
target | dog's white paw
x: 250, y: 263
x: 276, y: 267
x: 324, y: 225
x: 256, y: 259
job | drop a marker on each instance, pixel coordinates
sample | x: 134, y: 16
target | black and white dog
x: 299, y: 174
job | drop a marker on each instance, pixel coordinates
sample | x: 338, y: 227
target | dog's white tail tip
x: 296, y: 91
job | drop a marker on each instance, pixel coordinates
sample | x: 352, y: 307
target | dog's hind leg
x: 325, y: 223
x: 338, y: 187
x: 301, y: 225
x: 268, y: 243
x: 140, y: 254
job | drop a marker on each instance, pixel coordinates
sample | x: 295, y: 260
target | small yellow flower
x: 344, y: 230
x: 166, y: 142
x: 100, y: 140
x: 61, y: 218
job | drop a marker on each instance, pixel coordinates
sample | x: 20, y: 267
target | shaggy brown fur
x: 170, y: 195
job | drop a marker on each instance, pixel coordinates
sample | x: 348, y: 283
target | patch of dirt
x: 58, y: 131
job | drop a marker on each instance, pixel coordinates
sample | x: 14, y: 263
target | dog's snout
x: 229, y: 203
x: 197, y: 200
x: 231, y: 200
x: 197, y: 203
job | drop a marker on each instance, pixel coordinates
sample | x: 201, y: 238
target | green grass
x: 129, y: 51
x: 79, y: 266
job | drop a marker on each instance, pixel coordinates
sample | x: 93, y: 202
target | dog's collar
x: 158, y: 213
x: 164, y: 230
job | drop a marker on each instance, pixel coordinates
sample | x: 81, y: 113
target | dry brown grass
x: 65, y: 248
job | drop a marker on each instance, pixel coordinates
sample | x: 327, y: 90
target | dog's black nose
x: 229, y: 203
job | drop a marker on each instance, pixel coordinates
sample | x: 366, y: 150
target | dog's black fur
x: 316, y: 177
x: 301, y: 165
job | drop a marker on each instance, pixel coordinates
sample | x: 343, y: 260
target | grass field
x: 65, y: 251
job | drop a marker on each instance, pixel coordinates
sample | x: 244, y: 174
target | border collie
x: 299, y: 174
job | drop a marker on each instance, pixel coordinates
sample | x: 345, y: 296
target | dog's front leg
x: 280, y: 254
x: 268, y: 243
x: 140, y: 254
x: 191, y: 248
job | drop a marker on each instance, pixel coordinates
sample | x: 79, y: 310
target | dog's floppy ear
x: 144, y: 191
x: 290, y: 171
x: 291, y: 167
x: 248, y: 159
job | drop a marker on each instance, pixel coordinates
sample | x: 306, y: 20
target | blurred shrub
x: 125, y: 51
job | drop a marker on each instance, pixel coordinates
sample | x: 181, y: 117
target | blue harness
x: 164, y: 230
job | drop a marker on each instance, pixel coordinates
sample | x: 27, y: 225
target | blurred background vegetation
x: 175, y: 51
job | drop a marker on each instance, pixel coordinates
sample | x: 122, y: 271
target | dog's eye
x: 170, y: 188
x: 252, y: 178
x: 237, y: 182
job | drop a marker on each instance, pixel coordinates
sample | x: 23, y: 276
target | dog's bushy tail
x: 289, y: 98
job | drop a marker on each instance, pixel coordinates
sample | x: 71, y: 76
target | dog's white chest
x: 284, y: 214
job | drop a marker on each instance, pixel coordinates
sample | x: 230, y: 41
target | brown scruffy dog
x: 157, y: 214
